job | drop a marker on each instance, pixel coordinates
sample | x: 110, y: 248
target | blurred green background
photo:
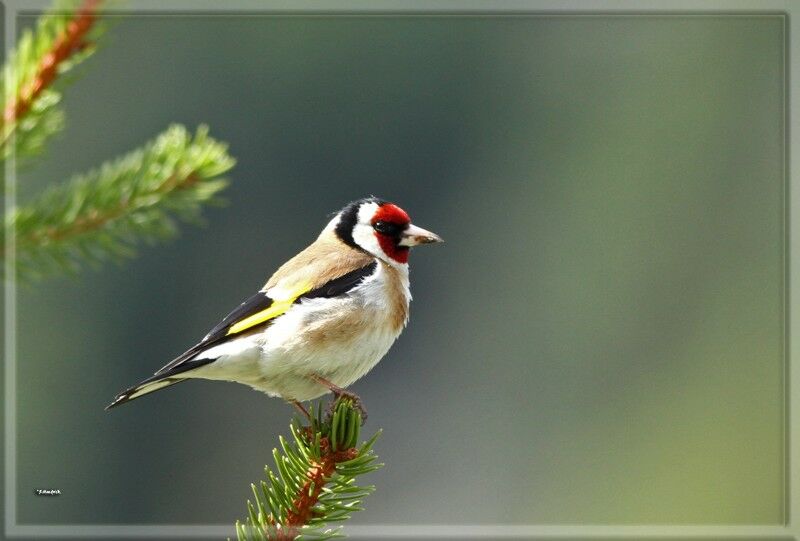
x: 600, y: 340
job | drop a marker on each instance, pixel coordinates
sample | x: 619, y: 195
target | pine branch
x: 64, y: 37
x: 315, y: 484
x: 104, y: 213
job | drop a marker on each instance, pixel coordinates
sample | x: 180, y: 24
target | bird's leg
x: 339, y: 392
x: 301, y: 409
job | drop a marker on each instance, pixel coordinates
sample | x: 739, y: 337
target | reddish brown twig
x: 65, y: 45
x: 308, y: 496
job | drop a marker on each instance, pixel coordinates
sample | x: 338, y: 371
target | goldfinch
x: 322, y: 321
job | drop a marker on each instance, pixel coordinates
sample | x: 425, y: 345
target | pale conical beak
x: 413, y: 236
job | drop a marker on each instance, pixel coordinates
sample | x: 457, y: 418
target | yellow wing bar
x: 277, y: 308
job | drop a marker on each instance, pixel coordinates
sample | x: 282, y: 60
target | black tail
x: 148, y: 386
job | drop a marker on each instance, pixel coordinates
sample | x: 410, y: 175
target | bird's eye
x: 387, y: 228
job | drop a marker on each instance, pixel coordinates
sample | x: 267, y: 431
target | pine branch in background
x: 102, y: 214
x: 315, y: 484
x: 64, y: 37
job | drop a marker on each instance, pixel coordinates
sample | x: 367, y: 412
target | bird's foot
x: 339, y: 393
x: 354, y: 398
x: 301, y: 409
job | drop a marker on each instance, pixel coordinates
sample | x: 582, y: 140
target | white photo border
x: 787, y: 11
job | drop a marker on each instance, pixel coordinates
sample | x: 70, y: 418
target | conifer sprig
x: 104, y: 213
x: 63, y: 37
x: 315, y: 483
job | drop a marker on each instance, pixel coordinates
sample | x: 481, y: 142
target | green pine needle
x: 315, y: 483
x: 31, y: 112
x: 103, y: 214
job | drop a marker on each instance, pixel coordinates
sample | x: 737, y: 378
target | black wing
x: 258, y: 302
x: 341, y: 285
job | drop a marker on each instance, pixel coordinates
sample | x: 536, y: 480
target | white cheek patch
x: 363, y: 233
x: 364, y: 236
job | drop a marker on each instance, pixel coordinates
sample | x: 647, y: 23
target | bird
x: 322, y: 321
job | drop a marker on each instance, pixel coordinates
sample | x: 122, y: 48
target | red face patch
x: 389, y: 244
x: 391, y: 213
